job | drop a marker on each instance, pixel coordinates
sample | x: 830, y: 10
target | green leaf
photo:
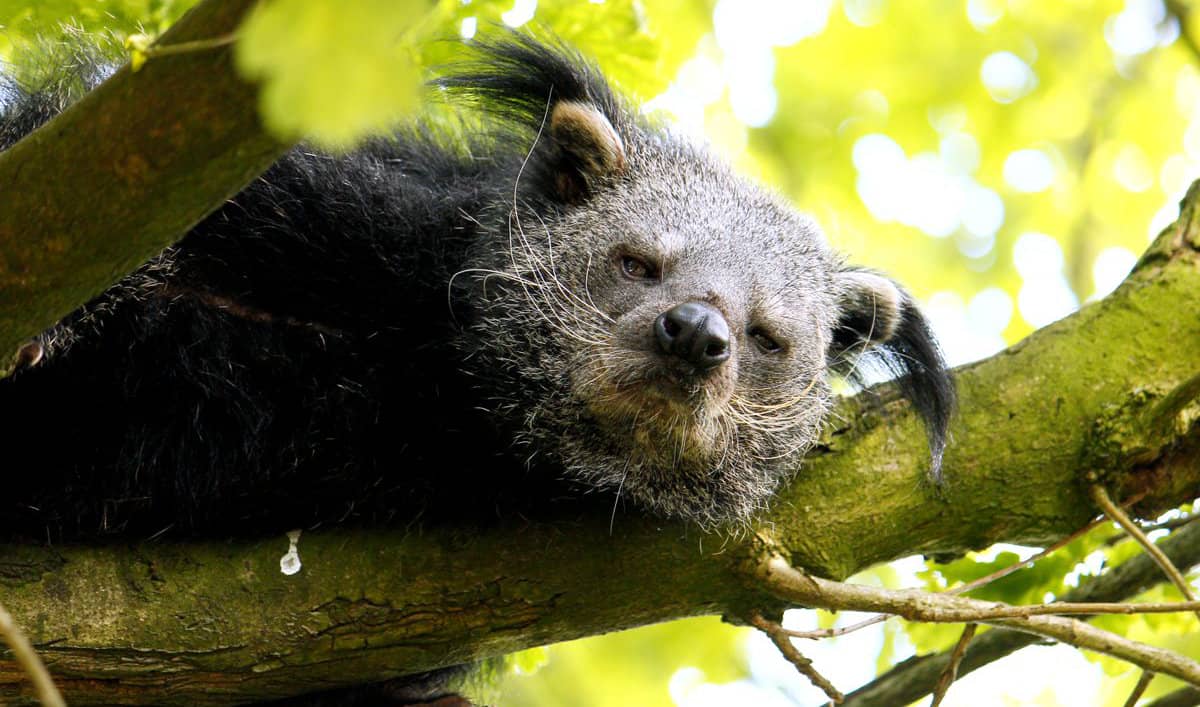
x: 334, y: 72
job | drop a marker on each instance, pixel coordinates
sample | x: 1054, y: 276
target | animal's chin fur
x: 705, y: 472
x: 674, y: 447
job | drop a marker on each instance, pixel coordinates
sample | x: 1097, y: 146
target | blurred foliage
x: 630, y: 667
x: 1006, y: 159
x: 335, y: 71
x: 23, y: 20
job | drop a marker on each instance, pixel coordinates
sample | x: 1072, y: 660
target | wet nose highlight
x: 695, y: 332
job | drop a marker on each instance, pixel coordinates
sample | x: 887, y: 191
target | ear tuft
x: 880, y: 320
x: 590, y: 145
x: 871, y: 307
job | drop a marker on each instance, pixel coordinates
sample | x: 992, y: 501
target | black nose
x: 695, y: 332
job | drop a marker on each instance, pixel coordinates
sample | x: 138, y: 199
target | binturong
x: 688, y: 319
x: 563, y: 290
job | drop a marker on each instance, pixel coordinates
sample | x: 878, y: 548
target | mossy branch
x: 1109, y: 393
x: 124, y: 173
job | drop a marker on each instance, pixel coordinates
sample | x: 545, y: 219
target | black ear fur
x: 516, y: 76
x: 549, y: 95
x: 898, y: 339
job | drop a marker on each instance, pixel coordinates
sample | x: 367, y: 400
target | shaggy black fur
x: 289, y: 361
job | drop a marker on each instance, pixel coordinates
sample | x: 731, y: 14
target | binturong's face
x: 705, y: 315
x: 662, y: 328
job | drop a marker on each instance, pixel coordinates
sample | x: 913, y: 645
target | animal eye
x: 766, y: 342
x: 635, y: 268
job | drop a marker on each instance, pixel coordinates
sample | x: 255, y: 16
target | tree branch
x: 123, y: 173
x: 786, y: 582
x: 779, y: 636
x: 917, y: 676
x: 1113, y: 511
x: 951, y: 672
x: 1139, y: 689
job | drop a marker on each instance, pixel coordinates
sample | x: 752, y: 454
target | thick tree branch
x: 1111, y: 389
x: 123, y: 173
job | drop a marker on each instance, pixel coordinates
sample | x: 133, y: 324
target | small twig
x: 786, y: 582
x: 143, y: 47
x: 29, y: 661
x: 783, y: 642
x: 996, y: 610
x: 961, y: 589
x: 1112, y: 510
x: 951, y: 671
x: 1142, y: 683
x: 838, y: 630
x: 1171, y: 525
x: 196, y: 45
x: 147, y: 45
x: 1005, y: 571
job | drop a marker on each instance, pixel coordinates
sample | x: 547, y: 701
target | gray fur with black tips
x: 582, y: 372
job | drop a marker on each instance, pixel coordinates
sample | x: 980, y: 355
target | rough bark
x: 1111, y: 393
x: 123, y: 173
